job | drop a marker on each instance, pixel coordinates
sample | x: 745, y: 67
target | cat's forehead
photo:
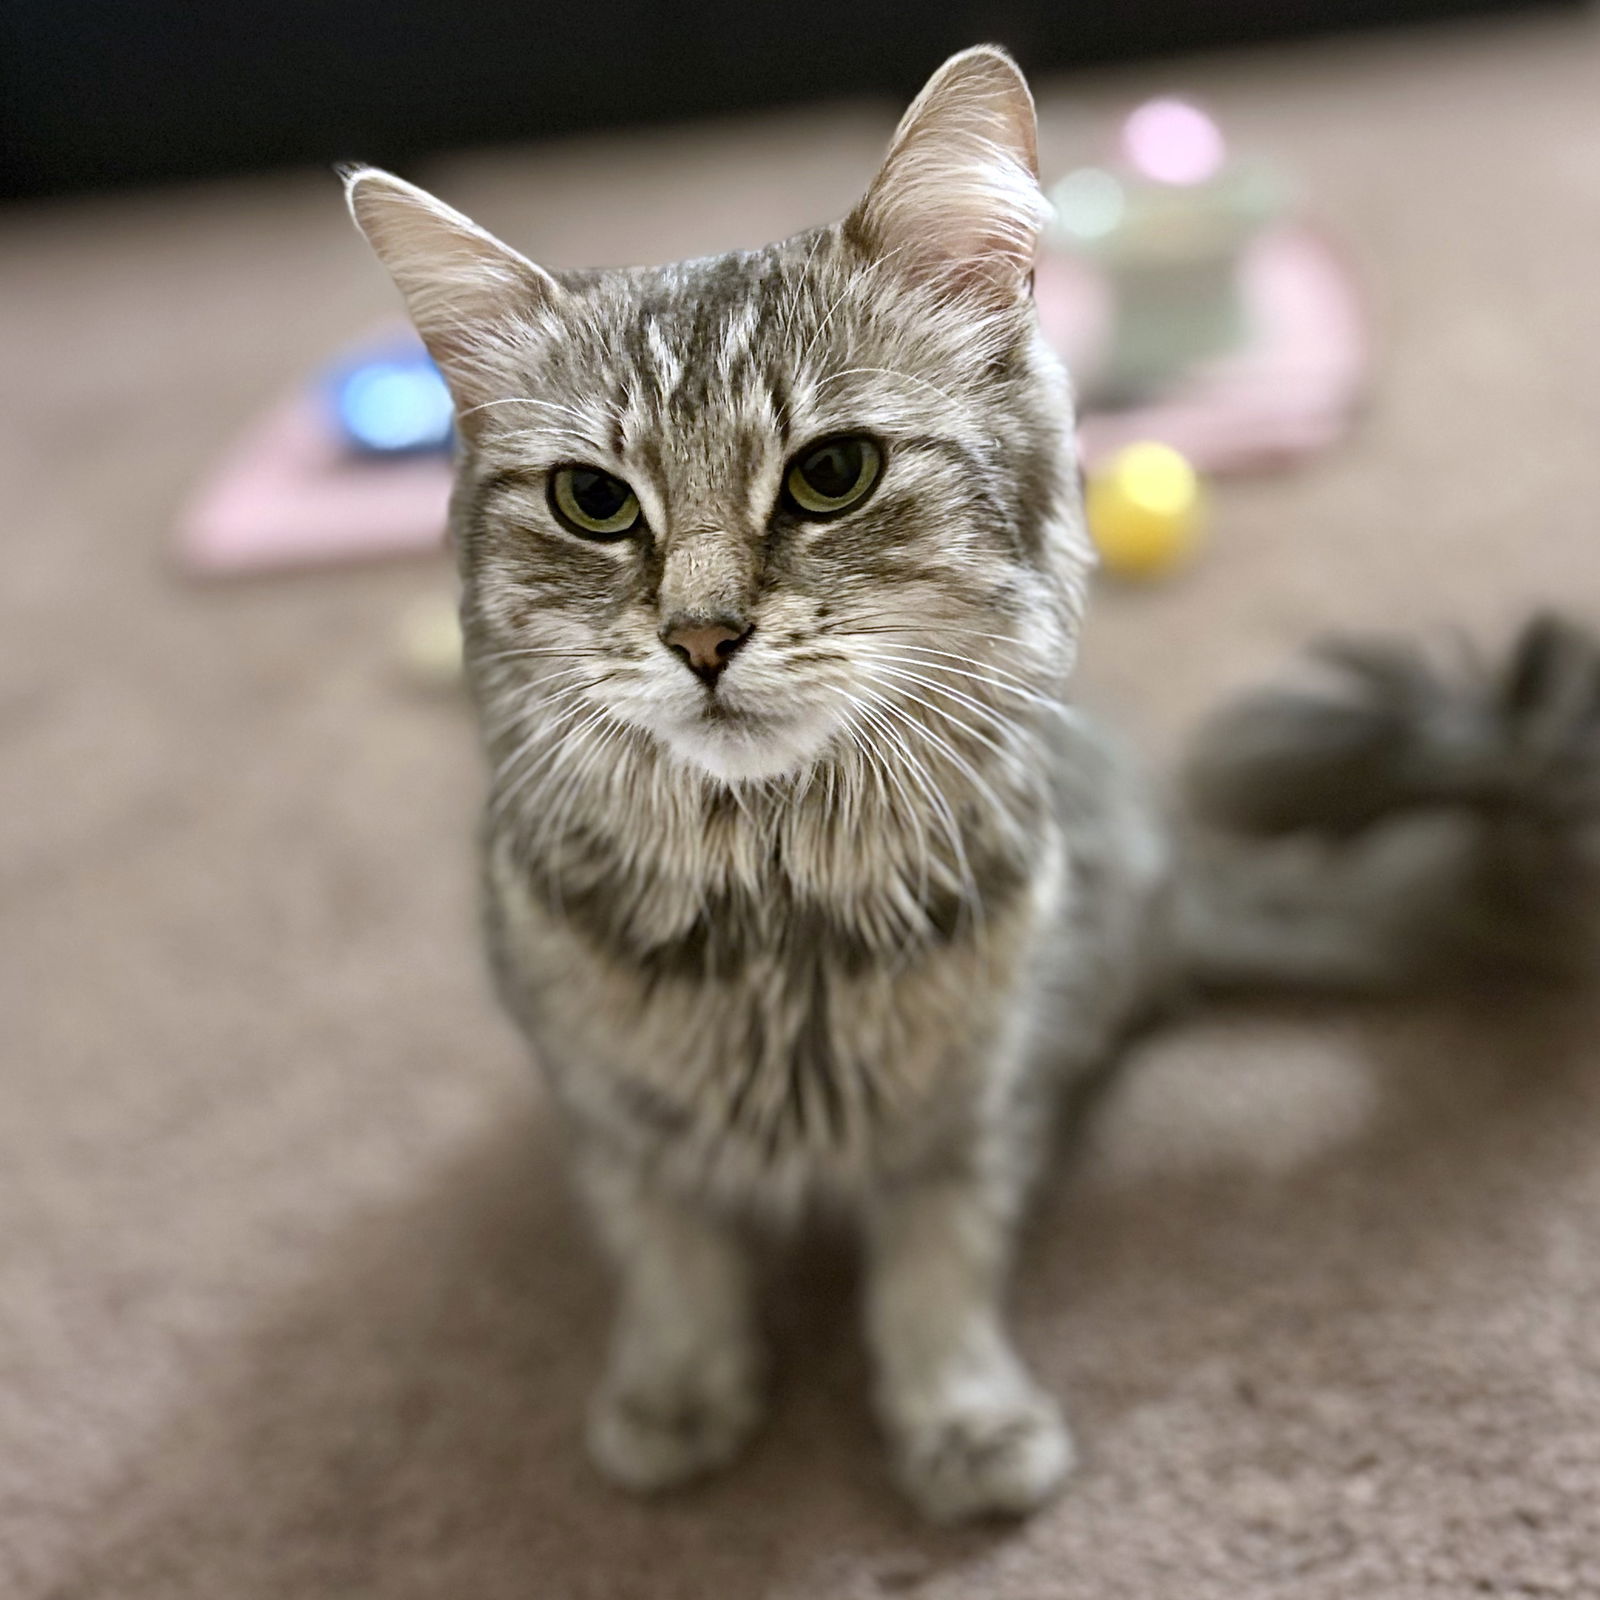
x: 712, y: 318
x: 774, y: 344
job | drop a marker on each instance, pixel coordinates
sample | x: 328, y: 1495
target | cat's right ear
x: 462, y: 287
x: 956, y: 204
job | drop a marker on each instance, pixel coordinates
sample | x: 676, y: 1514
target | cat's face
x: 755, y: 505
x: 743, y: 492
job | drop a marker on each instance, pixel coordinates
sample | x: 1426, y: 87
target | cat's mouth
x: 716, y: 711
x: 738, y: 743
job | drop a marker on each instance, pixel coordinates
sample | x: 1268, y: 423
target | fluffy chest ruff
x: 773, y: 991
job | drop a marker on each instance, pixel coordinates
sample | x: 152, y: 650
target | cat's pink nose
x: 705, y: 646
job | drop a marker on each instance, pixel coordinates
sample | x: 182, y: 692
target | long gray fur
x: 834, y: 930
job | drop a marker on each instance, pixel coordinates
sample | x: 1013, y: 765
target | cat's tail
x: 1399, y: 822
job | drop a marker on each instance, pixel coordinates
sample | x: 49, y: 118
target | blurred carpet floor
x: 292, y: 1301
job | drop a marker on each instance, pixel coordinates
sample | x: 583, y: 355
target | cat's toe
x: 1003, y: 1457
x: 651, y: 1437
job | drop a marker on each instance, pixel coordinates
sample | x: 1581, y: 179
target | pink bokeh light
x: 1173, y: 141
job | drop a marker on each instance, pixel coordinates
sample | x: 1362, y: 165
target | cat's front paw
x: 976, y: 1454
x: 653, y: 1432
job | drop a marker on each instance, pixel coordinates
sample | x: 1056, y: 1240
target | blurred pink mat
x: 1289, y: 390
x: 288, y: 494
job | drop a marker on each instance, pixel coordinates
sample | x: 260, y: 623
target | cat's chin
x: 747, y: 751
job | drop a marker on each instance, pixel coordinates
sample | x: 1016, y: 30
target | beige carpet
x: 291, y: 1301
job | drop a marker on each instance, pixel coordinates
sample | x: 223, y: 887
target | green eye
x: 593, y: 503
x: 833, y: 476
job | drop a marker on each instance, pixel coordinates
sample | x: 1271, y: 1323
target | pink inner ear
x: 956, y: 211
x: 991, y: 276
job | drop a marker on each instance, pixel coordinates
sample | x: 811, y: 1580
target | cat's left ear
x: 957, y: 201
x: 463, y: 288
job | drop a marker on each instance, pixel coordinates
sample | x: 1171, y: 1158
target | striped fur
x: 833, y: 929
x: 801, y: 937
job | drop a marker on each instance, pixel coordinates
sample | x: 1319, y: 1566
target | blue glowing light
x: 394, y: 405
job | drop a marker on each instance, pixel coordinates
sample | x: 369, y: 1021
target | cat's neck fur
x: 640, y: 850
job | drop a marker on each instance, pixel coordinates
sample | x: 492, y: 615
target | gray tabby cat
x: 803, y: 880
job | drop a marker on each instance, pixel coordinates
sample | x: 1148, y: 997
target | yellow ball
x: 1145, y: 511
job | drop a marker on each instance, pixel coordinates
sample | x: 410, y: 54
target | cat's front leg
x: 683, y: 1388
x: 971, y: 1433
